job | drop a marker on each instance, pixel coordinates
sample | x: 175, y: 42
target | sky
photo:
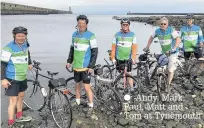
x: 118, y: 6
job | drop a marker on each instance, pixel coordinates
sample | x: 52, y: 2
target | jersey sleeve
x: 93, y: 43
x: 6, y: 54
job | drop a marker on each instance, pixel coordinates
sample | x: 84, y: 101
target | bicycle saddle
x: 52, y: 73
x: 109, y: 51
x: 36, y: 63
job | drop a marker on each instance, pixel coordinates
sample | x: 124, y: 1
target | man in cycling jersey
x: 15, y: 61
x: 169, y: 40
x: 192, y: 38
x: 83, y: 54
x: 124, y: 47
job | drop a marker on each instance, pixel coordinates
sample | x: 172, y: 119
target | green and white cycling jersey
x: 16, y: 59
x: 166, y: 38
x: 191, y: 37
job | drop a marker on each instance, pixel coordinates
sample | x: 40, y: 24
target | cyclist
x: 83, y: 54
x: 124, y: 47
x: 192, y: 38
x: 169, y: 40
x: 15, y: 61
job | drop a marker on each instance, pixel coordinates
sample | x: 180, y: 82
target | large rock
x: 123, y: 121
x: 181, y: 126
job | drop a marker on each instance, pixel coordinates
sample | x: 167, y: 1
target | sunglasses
x: 125, y: 24
x: 163, y: 23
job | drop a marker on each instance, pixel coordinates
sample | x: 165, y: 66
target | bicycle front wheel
x: 61, y: 109
x: 71, y: 84
x: 198, y: 81
x: 107, y: 72
x: 162, y: 86
x: 123, y: 85
x: 111, y: 99
x: 33, y: 98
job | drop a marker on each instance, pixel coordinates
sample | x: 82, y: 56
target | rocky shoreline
x: 143, y: 111
x: 176, y: 21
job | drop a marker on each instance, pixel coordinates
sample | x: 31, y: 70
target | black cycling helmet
x: 20, y: 29
x: 125, y: 20
x: 83, y: 17
x: 190, y: 16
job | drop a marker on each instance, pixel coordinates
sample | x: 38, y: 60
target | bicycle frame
x: 35, y: 89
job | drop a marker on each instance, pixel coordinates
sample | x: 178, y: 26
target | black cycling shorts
x: 119, y: 67
x: 197, y: 54
x: 16, y: 87
x: 82, y: 76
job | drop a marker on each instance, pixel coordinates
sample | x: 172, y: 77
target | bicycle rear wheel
x: 161, y: 85
x: 61, y: 109
x: 33, y: 98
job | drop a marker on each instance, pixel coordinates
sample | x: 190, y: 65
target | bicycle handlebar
x: 36, y: 65
x: 70, y: 71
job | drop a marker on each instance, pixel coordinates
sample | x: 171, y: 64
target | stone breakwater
x: 176, y: 21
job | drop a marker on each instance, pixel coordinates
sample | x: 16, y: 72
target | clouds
x: 117, y: 6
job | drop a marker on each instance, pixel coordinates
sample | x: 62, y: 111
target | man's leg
x: 90, y: 98
x: 11, y: 109
x: 77, y: 79
x: 19, y: 115
x: 186, y: 65
x: 12, y: 93
x: 130, y: 80
x: 78, y: 92
x: 170, y: 77
x: 171, y: 68
x: 89, y: 94
x: 20, y: 104
x: 87, y: 87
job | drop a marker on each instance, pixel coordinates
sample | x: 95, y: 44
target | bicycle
x: 57, y: 87
x: 144, y: 66
x: 112, y: 72
x: 70, y: 84
x: 192, y: 70
x: 103, y: 92
x: 124, y: 80
x: 160, y: 71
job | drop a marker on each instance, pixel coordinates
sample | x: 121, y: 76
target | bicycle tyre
x: 67, y: 105
x: 136, y: 82
x: 197, y: 85
x: 109, y: 73
x: 160, y: 88
x: 142, y: 76
x: 70, y: 84
x: 27, y: 104
x: 118, y: 104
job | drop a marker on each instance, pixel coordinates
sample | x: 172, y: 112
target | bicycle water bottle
x: 135, y: 85
x: 44, y: 93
